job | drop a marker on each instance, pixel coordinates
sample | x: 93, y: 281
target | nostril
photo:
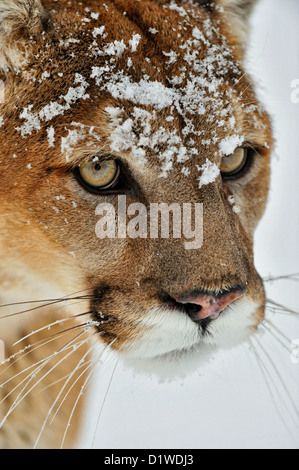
x: 200, y: 305
x: 212, y: 304
x: 190, y: 308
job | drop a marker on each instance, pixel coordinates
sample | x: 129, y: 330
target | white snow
x: 51, y: 134
x: 70, y: 141
x: 45, y: 75
x: 236, y: 209
x: 98, y: 31
x: 49, y: 111
x: 209, y: 172
x: 188, y: 101
x: 228, y: 145
x: 144, y: 92
x: 134, y: 42
x: 114, y: 48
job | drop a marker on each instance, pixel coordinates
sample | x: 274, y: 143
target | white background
x: 229, y: 403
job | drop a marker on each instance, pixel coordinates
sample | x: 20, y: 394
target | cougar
x: 108, y: 110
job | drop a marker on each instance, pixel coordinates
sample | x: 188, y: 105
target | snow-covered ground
x: 245, y: 398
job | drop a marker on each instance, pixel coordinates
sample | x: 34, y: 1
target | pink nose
x: 212, y: 306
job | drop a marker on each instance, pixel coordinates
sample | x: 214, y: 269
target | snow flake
x: 45, y: 75
x: 115, y: 48
x: 144, y: 92
x: 196, y: 33
x: 210, y: 172
x: 70, y: 141
x: 186, y: 171
x: 232, y: 201
x: 53, y: 109
x: 51, y: 138
x: 236, y: 209
x: 99, y: 32
x: 134, y: 42
x: 228, y: 145
x: 172, y: 56
x: 173, y: 6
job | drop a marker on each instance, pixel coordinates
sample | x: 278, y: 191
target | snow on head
x: 134, y: 42
x: 51, y: 138
x: 209, y: 172
x: 33, y: 120
x: 184, y: 84
x: 195, y: 91
x: 144, y: 92
x: 228, y: 145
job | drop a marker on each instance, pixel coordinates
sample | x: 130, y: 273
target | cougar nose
x: 209, y: 305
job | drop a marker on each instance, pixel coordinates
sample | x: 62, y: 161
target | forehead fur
x: 105, y: 76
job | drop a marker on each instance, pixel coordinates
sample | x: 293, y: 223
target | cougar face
x: 147, y: 100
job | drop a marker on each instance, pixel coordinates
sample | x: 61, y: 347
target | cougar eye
x: 99, y: 175
x: 232, y: 165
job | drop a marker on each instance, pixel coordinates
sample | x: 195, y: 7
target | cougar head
x: 110, y: 110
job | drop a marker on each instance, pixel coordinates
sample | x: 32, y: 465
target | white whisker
x: 52, y: 384
x: 82, y: 391
x: 48, y: 327
x: 30, y: 377
x: 40, y: 343
x: 289, y: 277
x: 274, y: 367
x: 282, y: 307
x: 269, y: 329
x: 103, y: 403
x: 81, y: 361
x: 269, y: 382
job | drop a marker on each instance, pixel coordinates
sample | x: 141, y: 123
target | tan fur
x: 48, y: 247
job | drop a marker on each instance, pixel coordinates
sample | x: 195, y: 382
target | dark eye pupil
x: 97, y: 167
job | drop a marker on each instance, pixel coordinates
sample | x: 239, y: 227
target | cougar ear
x: 239, y: 13
x: 20, y: 21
